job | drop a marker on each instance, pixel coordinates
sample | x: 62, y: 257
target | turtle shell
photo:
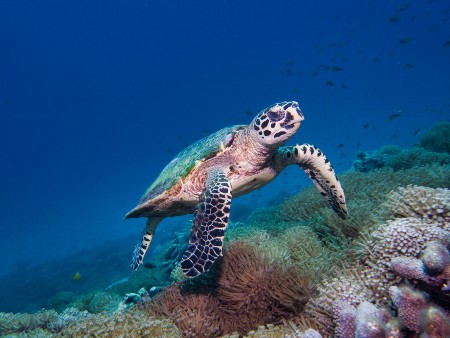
x: 186, y: 160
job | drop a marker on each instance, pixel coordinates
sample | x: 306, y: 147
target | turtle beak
x: 293, y: 117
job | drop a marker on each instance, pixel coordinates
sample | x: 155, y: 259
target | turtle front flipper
x: 319, y: 169
x: 208, y: 228
x: 143, y: 244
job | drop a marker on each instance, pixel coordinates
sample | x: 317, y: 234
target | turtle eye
x: 276, y: 115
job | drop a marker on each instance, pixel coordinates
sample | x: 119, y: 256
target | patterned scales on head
x: 236, y: 160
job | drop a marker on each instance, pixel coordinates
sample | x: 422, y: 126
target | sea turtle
x: 231, y: 162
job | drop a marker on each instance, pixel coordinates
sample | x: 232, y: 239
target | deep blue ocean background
x: 96, y: 97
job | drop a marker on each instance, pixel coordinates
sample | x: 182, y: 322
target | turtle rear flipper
x: 143, y: 244
x: 208, y: 228
x: 319, y: 170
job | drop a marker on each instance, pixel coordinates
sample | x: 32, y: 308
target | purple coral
x: 345, y: 318
x: 367, y: 321
x: 435, y: 258
x: 409, y: 303
x: 413, y: 268
x: 434, y: 323
x: 433, y: 267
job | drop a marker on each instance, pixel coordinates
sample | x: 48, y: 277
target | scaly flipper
x: 208, y: 228
x: 143, y: 244
x: 319, y: 169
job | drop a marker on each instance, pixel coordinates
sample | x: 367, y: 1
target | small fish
x: 330, y: 83
x: 404, y: 41
x: 342, y: 155
x: 337, y: 69
x: 394, y: 116
x: 248, y: 113
x: 447, y: 44
x: 393, y: 19
x: 340, y: 145
x: 149, y: 265
x: 375, y: 59
x: 366, y: 126
x: 296, y: 90
x: 408, y: 65
x: 394, y: 136
x: 416, y: 132
x: 76, y: 276
x: 359, y: 143
x: 348, y: 137
x: 402, y: 7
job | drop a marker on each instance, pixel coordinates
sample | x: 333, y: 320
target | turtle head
x: 276, y: 124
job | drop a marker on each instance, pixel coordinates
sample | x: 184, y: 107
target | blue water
x: 97, y: 96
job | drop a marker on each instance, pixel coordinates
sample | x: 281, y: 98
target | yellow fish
x: 76, y: 276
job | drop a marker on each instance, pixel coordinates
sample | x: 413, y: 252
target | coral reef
x: 250, y: 292
x: 253, y: 292
x: 133, y: 323
x: 437, y: 138
x: 346, y: 287
x: 416, y: 201
x: 21, y: 322
x: 365, y: 321
x: 69, y: 316
x: 418, y: 314
x: 403, y: 237
x: 413, y: 248
x: 60, y: 301
x: 295, y: 270
x: 433, y: 147
x: 196, y: 314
